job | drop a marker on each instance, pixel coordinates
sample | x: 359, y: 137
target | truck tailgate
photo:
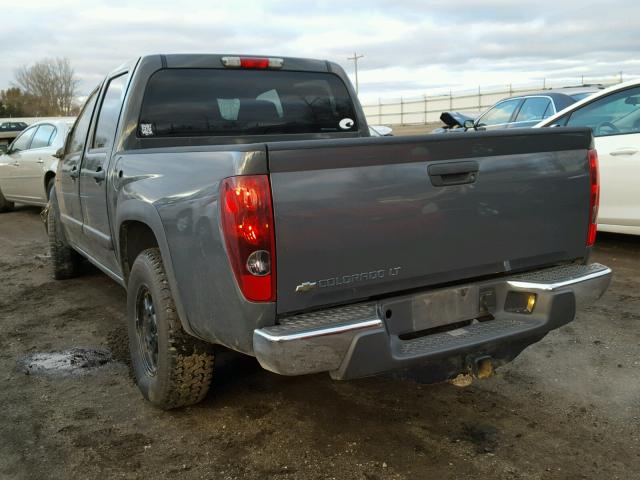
x: 367, y: 217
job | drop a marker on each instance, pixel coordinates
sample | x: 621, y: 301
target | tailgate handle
x: 453, y: 173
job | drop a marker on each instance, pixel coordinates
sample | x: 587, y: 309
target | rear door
x: 366, y: 217
x: 93, y: 181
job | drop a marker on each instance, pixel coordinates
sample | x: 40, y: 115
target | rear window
x: 195, y: 102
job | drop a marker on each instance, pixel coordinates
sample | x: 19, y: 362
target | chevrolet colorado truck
x: 241, y: 202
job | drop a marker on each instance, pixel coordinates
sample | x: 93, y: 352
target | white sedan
x: 614, y: 117
x: 28, y: 167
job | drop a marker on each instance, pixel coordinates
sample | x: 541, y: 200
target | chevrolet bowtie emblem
x: 305, y: 287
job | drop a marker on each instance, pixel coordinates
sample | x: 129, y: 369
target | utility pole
x: 355, y: 59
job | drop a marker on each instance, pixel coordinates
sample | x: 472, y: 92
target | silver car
x: 28, y: 167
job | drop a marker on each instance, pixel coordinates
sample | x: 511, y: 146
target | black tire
x: 50, y: 185
x: 65, y: 261
x: 5, y: 205
x: 172, y: 368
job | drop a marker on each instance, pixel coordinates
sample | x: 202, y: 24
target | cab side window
x: 81, y: 128
x: 43, y: 136
x: 109, y: 113
x: 499, y: 114
x: 23, y: 141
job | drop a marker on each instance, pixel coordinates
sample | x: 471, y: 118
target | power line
x: 355, y: 59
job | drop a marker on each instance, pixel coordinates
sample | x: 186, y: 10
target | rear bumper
x: 375, y: 337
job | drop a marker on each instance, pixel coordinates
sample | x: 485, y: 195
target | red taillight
x: 594, y: 197
x: 247, y: 224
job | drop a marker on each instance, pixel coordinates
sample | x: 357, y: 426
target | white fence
x: 425, y: 109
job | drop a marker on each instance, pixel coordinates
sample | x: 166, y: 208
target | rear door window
x: 43, y: 137
x: 534, y: 109
x: 109, y: 113
x: 196, y: 102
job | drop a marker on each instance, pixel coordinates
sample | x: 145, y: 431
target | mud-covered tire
x: 5, y: 205
x: 178, y: 371
x: 65, y: 261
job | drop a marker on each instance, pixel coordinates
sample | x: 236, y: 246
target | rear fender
x: 146, y: 213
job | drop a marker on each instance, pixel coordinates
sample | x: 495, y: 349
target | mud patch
x: 76, y: 361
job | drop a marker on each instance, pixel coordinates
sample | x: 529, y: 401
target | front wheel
x: 172, y: 368
x: 66, y: 262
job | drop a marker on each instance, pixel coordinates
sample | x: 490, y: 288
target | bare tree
x: 52, y: 81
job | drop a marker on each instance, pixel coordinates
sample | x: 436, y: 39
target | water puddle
x: 75, y: 361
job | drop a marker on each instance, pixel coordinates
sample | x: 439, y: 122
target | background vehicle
x: 12, y: 126
x: 242, y: 202
x: 517, y: 112
x: 614, y: 117
x: 28, y: 167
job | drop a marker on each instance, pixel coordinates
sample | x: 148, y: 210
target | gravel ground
x: 567, y: 408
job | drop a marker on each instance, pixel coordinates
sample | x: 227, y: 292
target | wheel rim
x: 147, y: 330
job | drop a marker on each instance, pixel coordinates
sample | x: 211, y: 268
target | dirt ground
x: 567, y: 408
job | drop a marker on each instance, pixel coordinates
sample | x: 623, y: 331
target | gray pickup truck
x: 242, y: 202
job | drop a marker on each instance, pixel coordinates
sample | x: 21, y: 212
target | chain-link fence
x: 427, y: 108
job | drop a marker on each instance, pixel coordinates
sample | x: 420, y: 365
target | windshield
x: 196, y: 102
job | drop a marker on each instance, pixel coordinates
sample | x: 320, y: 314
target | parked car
x: 242, y: 202
x: 613, y: 115
x: 516, y: 112
x: 28, y: 167
x: 12, y: 126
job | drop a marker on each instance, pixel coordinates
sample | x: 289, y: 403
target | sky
x: 410, y: 47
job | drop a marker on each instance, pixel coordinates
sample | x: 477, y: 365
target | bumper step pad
x: 354, y: 341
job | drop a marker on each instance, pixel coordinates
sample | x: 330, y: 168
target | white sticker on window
x: 146, y: 129
x: 346, y: 123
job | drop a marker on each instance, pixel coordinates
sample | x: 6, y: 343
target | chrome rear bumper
x: 360, y: 340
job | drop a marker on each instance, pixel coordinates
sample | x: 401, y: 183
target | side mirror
x: 59, y: 153
x: 469, y: 124
x: 382, y: 130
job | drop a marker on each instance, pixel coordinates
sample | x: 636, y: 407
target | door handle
x: 40, y: 160
x: 98, y: 175
x: 624, y: 151
x: 74, y: 173
x: 453, y: 173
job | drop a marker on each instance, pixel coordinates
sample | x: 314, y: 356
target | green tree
x: 15, y: 103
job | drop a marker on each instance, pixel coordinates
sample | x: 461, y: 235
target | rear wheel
x: 172, y: 368
x: 66, y: 262
x: 5, y: 205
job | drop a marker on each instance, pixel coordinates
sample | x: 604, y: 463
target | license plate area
x: 432, y: 309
